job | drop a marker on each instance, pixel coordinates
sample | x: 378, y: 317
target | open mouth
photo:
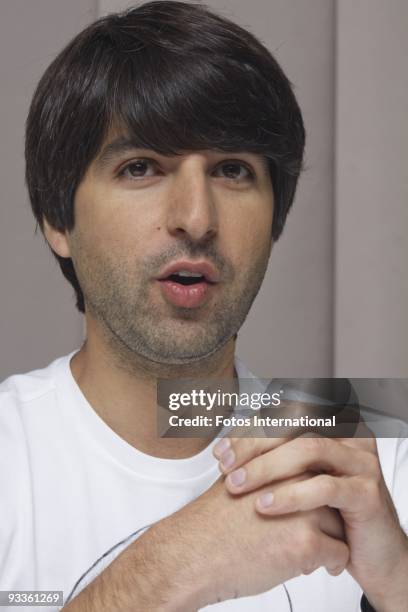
x: 187, y: 278
x: 186, y: 289
x: 188, y: 284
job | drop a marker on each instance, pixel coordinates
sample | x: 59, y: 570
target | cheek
x: 247, y: 233
x: 113, y: 223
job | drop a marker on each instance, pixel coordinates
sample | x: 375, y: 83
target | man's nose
x: 191, y: 208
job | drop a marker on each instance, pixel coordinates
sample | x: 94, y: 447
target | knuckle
x: 373, y: 465
x: 314, y: 446
x: 367, y: 490
x: 259, y: 469
x: 309, y: 568
x: 371, y: 442
x: 233, y: 441
x: 238, y: 446
x: 370, y: 488
x: 303, y: 549
x: 339, y: 562
x: 335, y: 571
x: 248, y: 447
x: 327, y: 485
x: 291, y: 499
x: 310, y: 562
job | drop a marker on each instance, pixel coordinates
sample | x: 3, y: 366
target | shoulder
x: 21, y: 389
x: 25, y: 403
x: 22, y: 398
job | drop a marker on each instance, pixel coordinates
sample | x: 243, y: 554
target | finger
x: 320, y: 550
x: 336, y: 571
x: 353, y: 495
x: 234, y: 452
x: 339, y: 558
x: 336, y: 555
x: 331, y: 523
x: 315, y: 454
x: 246, y: 442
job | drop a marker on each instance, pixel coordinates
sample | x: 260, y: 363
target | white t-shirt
x: 72, y: 490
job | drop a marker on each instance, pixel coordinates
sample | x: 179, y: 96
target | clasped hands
x: 342, y: 473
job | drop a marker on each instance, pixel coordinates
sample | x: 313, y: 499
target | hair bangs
x: 170, y: 104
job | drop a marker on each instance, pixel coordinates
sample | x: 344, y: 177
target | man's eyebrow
x: 123, y: 144
x: 114, y: 149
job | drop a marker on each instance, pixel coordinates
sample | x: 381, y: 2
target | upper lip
x: 200, y: 267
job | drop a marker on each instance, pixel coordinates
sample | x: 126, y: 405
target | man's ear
x: 57, y: 240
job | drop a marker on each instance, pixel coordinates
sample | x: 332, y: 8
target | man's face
x: 138, y: 212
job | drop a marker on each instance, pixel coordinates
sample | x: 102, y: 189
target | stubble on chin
x: 146, y: 336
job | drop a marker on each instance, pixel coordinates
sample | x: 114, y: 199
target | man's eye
x: 138, y: 169
x: 236, y: 171
x: 141, y: 168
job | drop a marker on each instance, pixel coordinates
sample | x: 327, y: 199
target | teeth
x: 187, y: 273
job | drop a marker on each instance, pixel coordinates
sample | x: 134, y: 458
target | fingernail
x: 265, y: 500
x: 221, y: 447
x: 238, y: 477
x: 228, y: 459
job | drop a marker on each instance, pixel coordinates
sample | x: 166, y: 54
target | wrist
x: 167, y: 572
x: 392, y: 595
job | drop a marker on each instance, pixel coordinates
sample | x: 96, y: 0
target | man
x: 163, y: 151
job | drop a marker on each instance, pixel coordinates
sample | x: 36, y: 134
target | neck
x: 122, y: 389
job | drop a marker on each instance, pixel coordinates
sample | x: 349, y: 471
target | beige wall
x: 37, y: 317
x: 350, y: 214
x: 371, y: 330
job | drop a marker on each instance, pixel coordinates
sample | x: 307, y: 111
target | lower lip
x: 186, y: 296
